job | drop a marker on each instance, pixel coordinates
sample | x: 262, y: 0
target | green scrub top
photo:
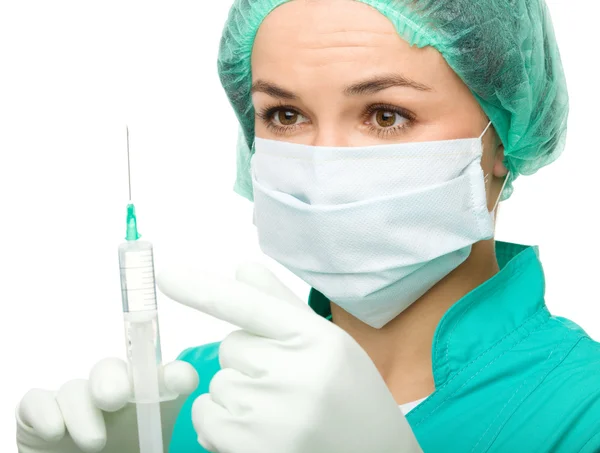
x: 509, y: 376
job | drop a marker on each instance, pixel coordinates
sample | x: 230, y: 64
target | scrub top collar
x: 485, y: 316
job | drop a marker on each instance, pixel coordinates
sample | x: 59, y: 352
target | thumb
x: 263, y: 279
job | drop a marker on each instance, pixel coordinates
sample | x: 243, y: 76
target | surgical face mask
x: 373, y: 228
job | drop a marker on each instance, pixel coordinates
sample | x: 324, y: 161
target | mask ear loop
x: 501, y: 190
x: 487, y: 177
x: 485, y: 130
x: 493, y: 211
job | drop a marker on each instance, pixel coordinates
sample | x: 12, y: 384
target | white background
x: 72, y: 73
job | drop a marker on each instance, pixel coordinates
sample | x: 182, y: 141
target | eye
x: 282, y: 119
x: 286, y: 117
x: 387, y: 118
x: 387, y: 121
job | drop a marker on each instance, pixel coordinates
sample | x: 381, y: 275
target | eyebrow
x: 271, y: 89
x: 368, y: 86
x: 383, y: 82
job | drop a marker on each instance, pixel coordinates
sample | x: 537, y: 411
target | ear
x: 500, y: 169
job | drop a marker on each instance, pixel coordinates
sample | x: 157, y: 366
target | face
x: 336, y: 73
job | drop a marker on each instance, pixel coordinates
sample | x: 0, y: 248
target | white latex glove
x: 291, y: 381
x: 94, y: 415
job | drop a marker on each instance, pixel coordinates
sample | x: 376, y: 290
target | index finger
x: 233, y: 301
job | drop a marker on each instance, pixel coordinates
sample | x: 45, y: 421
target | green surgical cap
x: 505, y: 51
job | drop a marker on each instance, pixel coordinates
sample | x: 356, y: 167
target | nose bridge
x: 330, y: 118
x: 330, y: 132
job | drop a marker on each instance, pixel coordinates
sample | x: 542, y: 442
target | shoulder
x: 568, y: 397
x: 583, y: 356
x: 539, y: 393
x: 576, y: 389
x: 579, y: 373
x: 576, y: 376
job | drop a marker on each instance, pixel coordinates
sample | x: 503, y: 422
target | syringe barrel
x: 138, y: 287
x: 144, y: 357
x: 142, y: 332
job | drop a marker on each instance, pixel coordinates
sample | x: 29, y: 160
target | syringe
x: 138, y: 289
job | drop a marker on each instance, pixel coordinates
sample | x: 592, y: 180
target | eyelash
x: 387, y: 131
x: 266, y: 115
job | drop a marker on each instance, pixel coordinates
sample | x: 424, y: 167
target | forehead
x: 337, y: 41
x: 346, y: 18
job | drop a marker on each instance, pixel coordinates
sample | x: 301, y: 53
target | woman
x: 377, y: 138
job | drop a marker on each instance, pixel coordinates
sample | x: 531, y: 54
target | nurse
x: 376, y: 139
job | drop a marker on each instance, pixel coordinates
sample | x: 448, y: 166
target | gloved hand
x: 291, y: 381
x: 94, y: 415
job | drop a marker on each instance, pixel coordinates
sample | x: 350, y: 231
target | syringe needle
x: 128, y: 164
x: 132, y: 232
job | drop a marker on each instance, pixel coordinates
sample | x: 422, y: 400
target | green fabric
x: 509, y: 376
x: 504, y: 51
x: 205, y: 359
